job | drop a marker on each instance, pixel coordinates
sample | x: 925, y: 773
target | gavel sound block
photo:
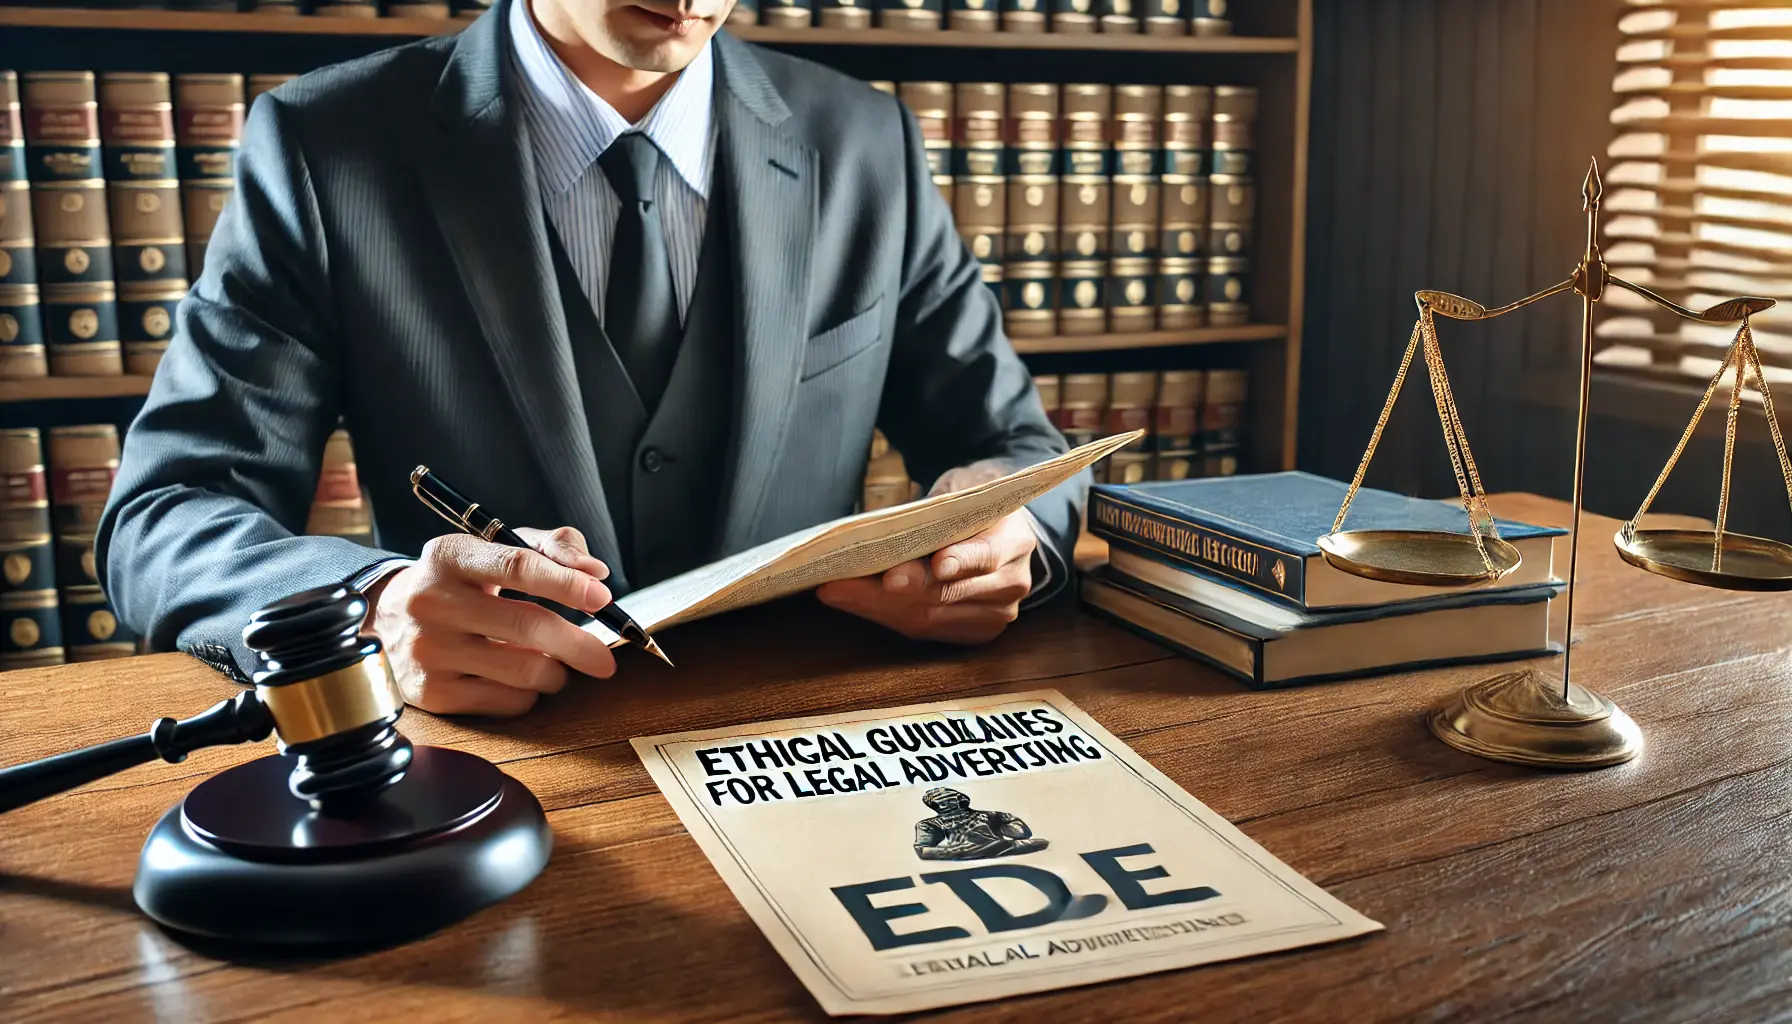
x: 350, y: 835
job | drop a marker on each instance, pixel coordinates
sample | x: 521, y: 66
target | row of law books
x: 1073, y: 17
x: 110, y: 187
x: 1096, y: 208
x: 51, y: 598
x: 1229, y: 572
x: 1193, y: 419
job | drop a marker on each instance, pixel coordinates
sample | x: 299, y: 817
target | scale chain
x: 1692, y: 425
x: 1773, y: 423
x: 1740, y: 358
x: 1356, y: 482
x: 1434, y: 364
x: 1468, y: 455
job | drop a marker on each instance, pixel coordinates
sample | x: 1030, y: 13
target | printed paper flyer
x: 947, y: 853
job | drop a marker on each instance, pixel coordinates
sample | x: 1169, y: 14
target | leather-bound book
x: 1234, y: 129
x: 18, y: 261
x: 1176, y: 424
x: 1074, y: 17
x: 1083, y: 407
x: 83, y: 463
x: 1188, y: 109
x: 844, y: 13
x: 1209, y: 18
x: 1031, y: 246
x: 1119, y: 16
x: 931, y: 103
x: 32, y: 635
x: 1165, y: 17
x: 887, y: 481
x: 339, y: 508
x: 209, y: 129
x: 78, y: 301
x: 974, y: 15
x: 146, y: 312
x: 979, y: 186
x: 1083, y: 206
x: 787, y: 13
x: 910, y: 15
x: 1222, y: 421
x: 143, y: 191
x: 21, y: 332
x: 1050, y: 388
x: 1024, y: 16
x: 1183, y: 232
x: 1131, y: 396
x: 745, y: 12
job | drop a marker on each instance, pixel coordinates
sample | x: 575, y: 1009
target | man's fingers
x: 523, y: 624
x: 520, y: 569
x: 986, y: 552
x: 450, y: 694
x: 566, y: 546
x: 911, y: 577
x: 519, y: 667
x: 1006, y: 585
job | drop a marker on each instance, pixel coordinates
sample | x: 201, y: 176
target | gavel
x: 350, y: 835
x: 323, y: 689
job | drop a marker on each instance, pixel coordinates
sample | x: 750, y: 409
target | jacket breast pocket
x: 842, y: 341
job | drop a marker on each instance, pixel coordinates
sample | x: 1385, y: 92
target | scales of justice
x: 1528, y: 717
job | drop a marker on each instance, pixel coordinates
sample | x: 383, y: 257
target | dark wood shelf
x: 204, y: 21
x: 1151, y: 339
x: 39, y: 389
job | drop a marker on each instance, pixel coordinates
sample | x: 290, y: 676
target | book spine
x: 1083, y: 207
x: 1073, y: 17
x: 973, y: 15
x: 1195, y: 548
x: 21, y: 332
x: 1083, y: 410
x: 74, y: 244
x: 931, y: 104
x: 910, y: 15
x: 18, y: 261
x: 1131, y: 397
x: 1176, y: 424
x: 83, y: 463
x: 979, y: 187
x: 1118, y: 16
x: 148, y: 243
x: 787, y: 13
x: 1165, y: 17
x: 33, y: 634
x: 258, y: 84
x: 1252, y: 678
x: 339, y: 508
x: 1234, y: 121
x: 1026, y: 17
x: 844, y: 13
x: 1209, y: 18
x: 1133, y: 239
x: 1031, y: 146
x: 1222, y: 421
x: 745, y: 12
x: 886, y: 477
x: 1050, y: 388
x: 209, y: 130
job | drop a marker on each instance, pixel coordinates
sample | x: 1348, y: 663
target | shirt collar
x: 571, y: 126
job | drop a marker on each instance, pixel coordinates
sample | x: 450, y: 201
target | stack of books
x: 1228, y: 571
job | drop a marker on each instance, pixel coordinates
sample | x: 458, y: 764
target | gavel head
x: 331, y: 695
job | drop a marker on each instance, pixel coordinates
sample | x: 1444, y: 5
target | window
x: 1699, y: 181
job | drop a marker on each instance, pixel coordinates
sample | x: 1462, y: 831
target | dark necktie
x: 640, y: 306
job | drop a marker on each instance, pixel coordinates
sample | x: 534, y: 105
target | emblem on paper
x: 1280, y: 572
x: 958, y: 831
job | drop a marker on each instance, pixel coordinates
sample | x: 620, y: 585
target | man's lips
x: 670, y: 23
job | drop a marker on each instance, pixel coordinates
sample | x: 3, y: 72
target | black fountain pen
x: 455, y: 507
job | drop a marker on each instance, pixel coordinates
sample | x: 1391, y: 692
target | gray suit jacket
x: 385, y: 259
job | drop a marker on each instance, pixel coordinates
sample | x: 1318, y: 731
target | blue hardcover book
x: 1261, y: 532
x: 1268, y: 651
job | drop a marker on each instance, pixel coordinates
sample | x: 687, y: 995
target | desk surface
x: 1654, y: 891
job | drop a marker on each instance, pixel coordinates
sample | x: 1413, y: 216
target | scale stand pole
x: 1589, y: 281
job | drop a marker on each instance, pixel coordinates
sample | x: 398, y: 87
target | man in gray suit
x: 608, y: 273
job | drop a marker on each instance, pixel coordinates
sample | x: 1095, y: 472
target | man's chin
x: 660, y: 54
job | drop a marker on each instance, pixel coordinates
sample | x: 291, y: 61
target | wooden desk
x: 1655, y: 891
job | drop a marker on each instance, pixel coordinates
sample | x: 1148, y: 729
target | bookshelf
x: 1271, y: 50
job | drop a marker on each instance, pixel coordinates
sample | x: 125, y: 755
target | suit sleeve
x: 956, y: 392
x: 219, y: 469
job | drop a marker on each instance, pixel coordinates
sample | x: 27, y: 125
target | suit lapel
x: 771, y: 185
x: 482, y: 186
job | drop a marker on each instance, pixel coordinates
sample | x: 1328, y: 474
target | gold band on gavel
x: 332, y: 703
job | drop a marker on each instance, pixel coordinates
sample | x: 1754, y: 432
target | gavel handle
x: 241, y: 719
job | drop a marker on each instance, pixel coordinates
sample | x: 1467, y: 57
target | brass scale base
x: 1524, y: 716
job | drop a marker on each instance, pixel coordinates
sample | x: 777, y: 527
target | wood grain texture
x: 1655, y: 891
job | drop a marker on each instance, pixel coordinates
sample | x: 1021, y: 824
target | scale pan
x: 1749, y: 563
x: 1424, y: 558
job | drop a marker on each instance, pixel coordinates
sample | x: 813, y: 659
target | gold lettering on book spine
x: 1186, y: 540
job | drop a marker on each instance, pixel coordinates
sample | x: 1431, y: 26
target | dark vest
x: 662, y: 474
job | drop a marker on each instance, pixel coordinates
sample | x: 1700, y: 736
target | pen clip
x: 461, y: 520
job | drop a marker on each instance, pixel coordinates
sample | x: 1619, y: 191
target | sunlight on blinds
x: 1699, y: 189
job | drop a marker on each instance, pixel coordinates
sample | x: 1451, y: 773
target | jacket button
x: 652, y: 461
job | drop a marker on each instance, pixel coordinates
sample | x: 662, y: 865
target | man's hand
x: 456, y: 647
x: 966, y: 593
